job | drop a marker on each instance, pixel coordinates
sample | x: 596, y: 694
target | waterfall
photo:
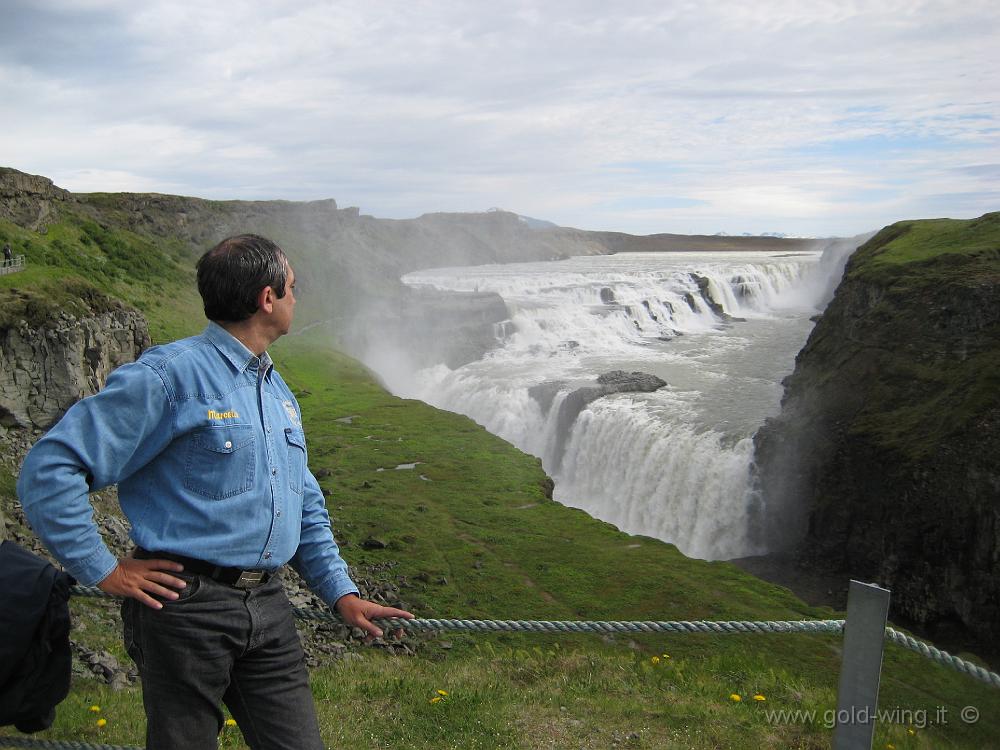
x: 721, y: 329
x: 674, y: 483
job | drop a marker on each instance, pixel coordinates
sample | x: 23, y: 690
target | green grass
x: 477, y: 537
x: 79, y: 267
x: 550, y: 695
x: 931, y: 251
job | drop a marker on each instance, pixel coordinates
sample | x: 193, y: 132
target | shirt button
x: 267, y: 555
x: 274, y: 472
x: 278, y: 514
x: 229, y: 444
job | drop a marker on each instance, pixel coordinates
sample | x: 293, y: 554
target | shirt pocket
x: 220, y: 461
x: 296, y: 441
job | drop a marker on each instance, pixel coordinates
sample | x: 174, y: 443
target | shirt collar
x: 236, y: 351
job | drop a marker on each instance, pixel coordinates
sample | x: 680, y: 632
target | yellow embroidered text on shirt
x: 212, y: 414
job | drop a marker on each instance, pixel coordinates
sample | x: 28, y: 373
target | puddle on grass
x: 406, y: 467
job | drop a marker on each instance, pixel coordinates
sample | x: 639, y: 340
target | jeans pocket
x: 185, y: 594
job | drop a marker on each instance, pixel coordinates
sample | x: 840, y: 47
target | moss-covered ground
x: 929, y: 251
x: 469, y: 532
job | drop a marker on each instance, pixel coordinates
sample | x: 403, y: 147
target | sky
x: 806, y: 117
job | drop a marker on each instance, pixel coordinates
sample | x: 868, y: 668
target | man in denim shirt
x: 205, y: 442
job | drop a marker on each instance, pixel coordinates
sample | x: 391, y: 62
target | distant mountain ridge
x: 759, y: 234
x: 528, y: 220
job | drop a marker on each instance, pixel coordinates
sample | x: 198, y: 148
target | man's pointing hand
x: 360, y: 612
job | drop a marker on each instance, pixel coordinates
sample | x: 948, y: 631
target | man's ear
x: 265, y: 299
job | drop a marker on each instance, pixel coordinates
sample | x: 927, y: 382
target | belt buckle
x: 249, y: 578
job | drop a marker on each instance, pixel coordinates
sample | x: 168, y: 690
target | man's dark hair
x: 231, y: 275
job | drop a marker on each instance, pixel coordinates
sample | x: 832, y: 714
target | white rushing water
x: 672, y: 464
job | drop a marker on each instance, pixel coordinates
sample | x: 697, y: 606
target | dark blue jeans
x: 218, y: 644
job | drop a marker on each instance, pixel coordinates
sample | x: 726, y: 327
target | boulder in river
x: 616, y: 381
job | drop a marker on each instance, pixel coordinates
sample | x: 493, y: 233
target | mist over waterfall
x: 720, y: 328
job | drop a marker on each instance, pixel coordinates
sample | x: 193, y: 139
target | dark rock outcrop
x: 706, y: 294
x: 616, y: 381
x: 619, y: 381
x: 45, y: 370
x: 29, y: 200
x: 883, y: 462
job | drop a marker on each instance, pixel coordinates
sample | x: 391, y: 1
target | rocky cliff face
x: 44, y: 371
x: 883, y: 462
x: 29, y: 200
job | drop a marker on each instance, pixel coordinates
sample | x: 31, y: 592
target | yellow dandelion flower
x: 735, y: 697
x: 911, y: 731
x: 759, y: 697
x: 102, y: 722
x: 890, y: 746
x: 94, y: 709
x: 442, y: 693
x: 655, y: 660
x: 230, y: 722
x: 436, y: 699
x: 666, y: 656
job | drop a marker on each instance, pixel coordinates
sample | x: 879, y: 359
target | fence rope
x: 669, y: 626
x: 604, y: 627
x: 10, y: 741
x: 568, y: 626
x: 943, y: 657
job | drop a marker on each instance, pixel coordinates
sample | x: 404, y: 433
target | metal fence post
x: 861, y: 666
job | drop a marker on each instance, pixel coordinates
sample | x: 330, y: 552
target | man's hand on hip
x: 360, y: 612
x: 140, y: 578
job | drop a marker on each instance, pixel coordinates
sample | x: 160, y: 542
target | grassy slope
x: 480, y: 539
x: 78, y: 266
x: 938, y: 243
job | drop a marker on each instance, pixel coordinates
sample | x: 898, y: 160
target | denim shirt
x: 205, y: 443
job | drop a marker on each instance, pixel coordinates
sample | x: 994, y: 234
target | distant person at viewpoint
x: 8, y: 256
x: 205, y: 442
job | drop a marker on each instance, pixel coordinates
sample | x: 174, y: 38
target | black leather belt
x: 235, y: 577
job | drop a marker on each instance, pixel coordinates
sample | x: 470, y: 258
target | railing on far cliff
x: 13, y: 265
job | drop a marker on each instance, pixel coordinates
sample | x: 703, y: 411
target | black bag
x: 35, y: 659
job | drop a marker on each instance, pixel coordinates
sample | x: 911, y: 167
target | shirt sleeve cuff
x: 95, y: 568
x: 335, y: 588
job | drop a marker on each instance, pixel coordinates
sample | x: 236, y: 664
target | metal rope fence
x: 669, y: 626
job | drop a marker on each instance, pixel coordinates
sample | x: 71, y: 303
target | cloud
x: 778, y: 116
